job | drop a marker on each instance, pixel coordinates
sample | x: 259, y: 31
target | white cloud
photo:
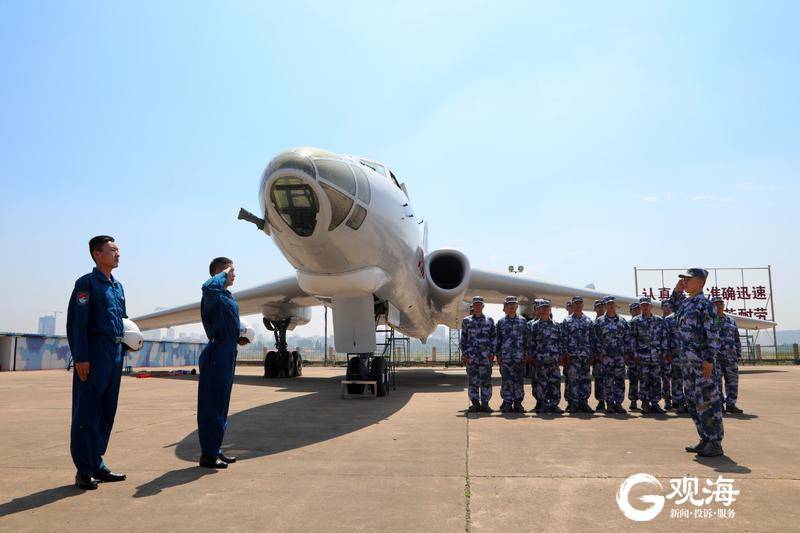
x: 702, y: 198
x: 650, y: 199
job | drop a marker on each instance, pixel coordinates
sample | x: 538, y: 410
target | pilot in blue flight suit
x: 94, y: 331
x: 220, y: 314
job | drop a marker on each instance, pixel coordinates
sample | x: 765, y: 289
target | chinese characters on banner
x: 749, y: 301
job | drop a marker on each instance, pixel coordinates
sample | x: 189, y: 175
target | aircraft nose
x: 288, y: 183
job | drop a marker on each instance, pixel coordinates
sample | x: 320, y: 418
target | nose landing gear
x: 281, y: 363
x: 367, y: 367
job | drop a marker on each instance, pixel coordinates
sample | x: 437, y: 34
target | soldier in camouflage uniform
x: 613, y: 345
x: 697, y: 329
x: 728, y: 358
x: 567, y: 386
x: 633, y: 368
x: 648, y: 342
x: 597, y: 364
x: 510, y: 350
x: 477, y: 349
x: 545, y: 346
x: 578, y: 340
x: 671, y: 399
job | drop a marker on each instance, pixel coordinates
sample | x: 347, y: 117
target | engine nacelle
x: 297, y: 315
x: 447, y: 272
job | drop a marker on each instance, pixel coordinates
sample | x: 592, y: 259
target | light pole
x: 517, y: 270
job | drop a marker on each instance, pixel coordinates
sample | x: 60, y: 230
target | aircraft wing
x: 494, y: 287
x: 285, y: 291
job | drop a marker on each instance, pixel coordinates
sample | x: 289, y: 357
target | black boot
x: 633, y: 406
x: 601, y: 405
x: 584, y: 408
x: 619, y: 409
x: 711, y: 449
x: 697, y: 447
x: 656, y: 409
x: 668, y: 405
x: 475, y: 407
x: 207, y: 461
x: 485, y: 408
x: 538, y: 407
x: 518, y: 407
x: 505, y: 407
x: 681, y: 409
x: 571, y: 409
x: 733, y: 409
x: 555, y: 409
x: 85, y: 482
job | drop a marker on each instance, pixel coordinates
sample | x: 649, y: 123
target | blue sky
x: 579, y: 139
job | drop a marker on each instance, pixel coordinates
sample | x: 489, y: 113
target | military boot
x: 656, y: 409
x: 668, y: 405
x: 518, y: 407
x: 681, y: 410
x: 505, y: 407
x: 601, y: 405
x: 475, y: 407
x: 711, y: 449
x: 733, y: 409
x: 538, y: 407
x: 485, y: 408
x: 633, y: 406
x: 697, y: 447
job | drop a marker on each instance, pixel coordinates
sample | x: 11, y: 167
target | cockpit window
x: 380, y: 169
x: 363, y: 185
x: 357, y: 218
x: 290, y: 160
x: 337, y: 173
x: 296, y: 203
x: 340, y: 205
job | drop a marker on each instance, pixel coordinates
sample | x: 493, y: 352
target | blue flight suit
x: 94, y: 332
x: 597, y: 367
x: 220, y: 315
x: 613, y: 347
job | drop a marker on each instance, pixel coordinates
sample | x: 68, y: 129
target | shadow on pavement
x: 723, y: 464
x: 39, y: 499
x: 171, y: 479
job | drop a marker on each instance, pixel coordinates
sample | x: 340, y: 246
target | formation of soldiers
x: 682, y: 357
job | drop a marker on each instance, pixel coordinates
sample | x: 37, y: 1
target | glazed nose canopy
x: 296, y: 203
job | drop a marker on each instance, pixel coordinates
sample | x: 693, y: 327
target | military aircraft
x: 345, y: 223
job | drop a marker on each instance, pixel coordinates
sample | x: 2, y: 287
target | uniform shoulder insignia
x: 82, y: 298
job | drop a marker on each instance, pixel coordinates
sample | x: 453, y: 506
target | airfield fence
x: 757, y: 354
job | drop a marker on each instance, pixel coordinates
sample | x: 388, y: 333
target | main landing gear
x: 281, y: 363
x: 367, y: 367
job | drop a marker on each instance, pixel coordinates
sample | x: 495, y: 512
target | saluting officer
x: 697, y: 329
x: 477, y: 352
x: 94, y: 332
x: 510, y: 351
x: 220, y: 315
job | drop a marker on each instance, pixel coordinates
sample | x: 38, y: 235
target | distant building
x: 47, y: 325
x: 170, y: 334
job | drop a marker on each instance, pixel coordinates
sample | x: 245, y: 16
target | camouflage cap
x: 645, y: 300
x: 598, y: 303
x: 541, y: 303
x: 665, y: 303
x: 715, y: 299
x: 609, y: 299
x: 576, y: 299
x: 477, y: 299
x: 695, y: 273
x: 633, y: 305
x: 511, y: 300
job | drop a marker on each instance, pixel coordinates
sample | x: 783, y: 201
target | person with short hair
x: 95, y: 335
x: 597, y: 364
x: 545, y: 346
x: 220, y: 315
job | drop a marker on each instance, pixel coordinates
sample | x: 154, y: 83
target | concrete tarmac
x: 413, y: 461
